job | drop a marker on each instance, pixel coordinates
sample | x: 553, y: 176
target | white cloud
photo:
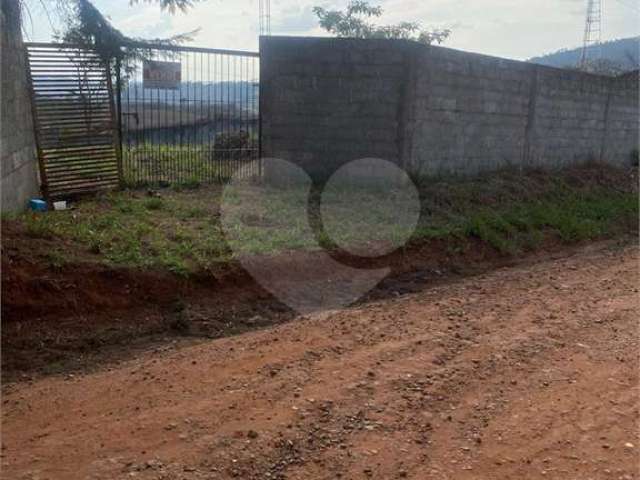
x: 508, y: 28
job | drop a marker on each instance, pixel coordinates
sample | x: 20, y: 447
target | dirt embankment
x: 56, y: 318
x: 524, y: 372
x: 81, y: 314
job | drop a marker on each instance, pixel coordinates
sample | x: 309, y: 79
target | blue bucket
x: 38, y: 205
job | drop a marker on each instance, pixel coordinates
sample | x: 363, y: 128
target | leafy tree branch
x: 356, y: 22
x: 85, y: 25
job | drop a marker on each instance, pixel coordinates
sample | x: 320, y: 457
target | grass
x: 184, y: 167
x: 515, y: 216
x: 570, y: 216
x: 185, y: 230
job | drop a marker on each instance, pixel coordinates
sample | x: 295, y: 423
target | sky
x: 517, y: 29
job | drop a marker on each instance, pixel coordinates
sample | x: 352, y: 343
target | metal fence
x: 200, y: 126
x: 73, y: 112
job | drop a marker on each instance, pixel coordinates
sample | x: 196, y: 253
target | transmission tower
x: 591, y: 46
x: 264, y: 13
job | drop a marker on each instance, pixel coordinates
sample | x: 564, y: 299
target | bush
x: 154, y: 204
x: 234, y: 145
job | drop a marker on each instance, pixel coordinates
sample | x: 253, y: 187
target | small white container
x: 60, y: 205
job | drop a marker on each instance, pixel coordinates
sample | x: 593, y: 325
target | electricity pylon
x: 264, y: 13
x: 591, y: 46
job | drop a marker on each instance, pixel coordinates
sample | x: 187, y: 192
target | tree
x: 85, y: 25
x: 355, y: 22
x: 170, y: 5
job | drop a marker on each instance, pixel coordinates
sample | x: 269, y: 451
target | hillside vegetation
x: 624, y: 52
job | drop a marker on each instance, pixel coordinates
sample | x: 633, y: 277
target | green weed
x: 39, y: 226
x: 182, y: 231
x: 55, y: 259
x: 154, y: 203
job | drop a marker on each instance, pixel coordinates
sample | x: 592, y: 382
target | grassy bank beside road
x: 182, y: 230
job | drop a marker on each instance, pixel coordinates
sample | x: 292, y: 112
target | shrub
x: 154, y: 204
x: 233, y: 145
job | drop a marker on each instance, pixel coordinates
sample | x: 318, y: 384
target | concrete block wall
x: 435, y: 110
x: 470, y: 112
x: 569, y: 117
x: 18, y: 161
x: 622, y: 118
x: 324, y: 102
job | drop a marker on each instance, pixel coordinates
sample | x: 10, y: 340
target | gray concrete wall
x: 324, y: 102
x: 18, y: 167
x: 469, y: 112
x: 569, y: 115
x: 622, y: 118
x: 434, y: 110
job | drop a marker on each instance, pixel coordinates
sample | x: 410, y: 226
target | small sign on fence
x: 161, y: 75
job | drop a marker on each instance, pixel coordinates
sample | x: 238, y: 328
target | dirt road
x: 527, y: 372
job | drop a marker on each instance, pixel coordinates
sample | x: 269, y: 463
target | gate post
x: 117, y: 116
x: 44, y: 186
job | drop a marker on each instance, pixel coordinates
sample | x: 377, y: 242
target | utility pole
x: 591, y: 46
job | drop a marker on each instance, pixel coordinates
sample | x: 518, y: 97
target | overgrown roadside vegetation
x: 180, y: 230
x: 515, y: 212
x: 134, y: 269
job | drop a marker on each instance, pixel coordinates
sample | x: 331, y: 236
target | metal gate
x: 74, y: 117
x: 188, y: 115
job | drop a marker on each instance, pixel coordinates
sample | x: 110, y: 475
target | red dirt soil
x: 56, y: 319
x: 527, y: 372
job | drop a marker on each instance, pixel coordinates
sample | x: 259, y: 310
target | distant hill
x: 624, y: 52
x: 243, y: 94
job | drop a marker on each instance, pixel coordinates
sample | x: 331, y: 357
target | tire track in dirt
x: 526, y: 372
